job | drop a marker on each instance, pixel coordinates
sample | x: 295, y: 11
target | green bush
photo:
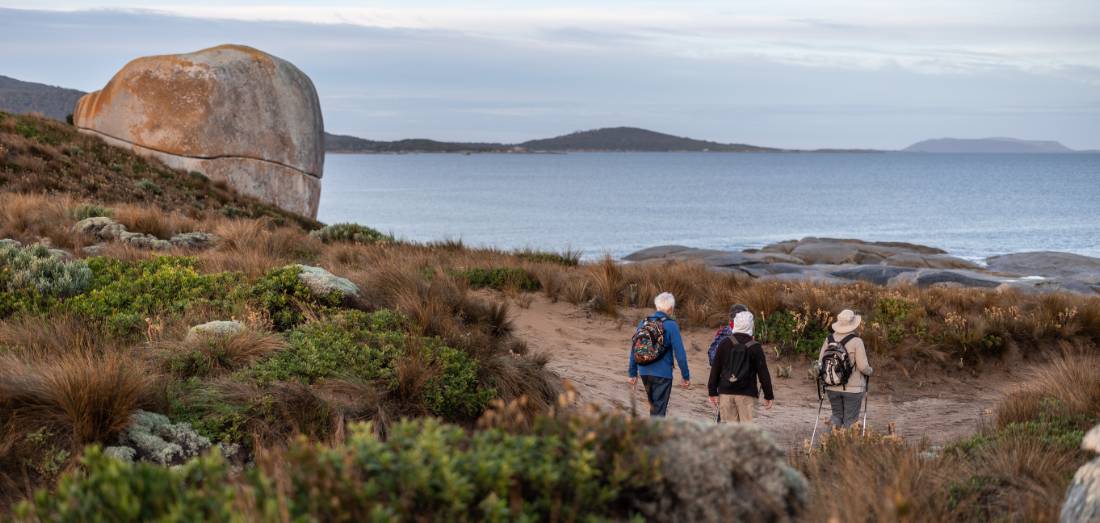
x: 284, y: 297
x: 564, y: 469
x: 350, y: 232
x: 84, y: 211
x: 455, y: 392
x: 106, y: 489
x: 123, y: 293
x: 343, y: 345
x: 792, y: 331
x: 147, y: 185
x: 501, y: 278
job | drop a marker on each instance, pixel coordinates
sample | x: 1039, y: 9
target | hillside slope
x: 17, y: 96
x: 633, y: 139
x: 341, y: 143
x: 38, y: 155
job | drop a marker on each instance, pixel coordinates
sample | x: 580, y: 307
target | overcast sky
x: 810, y: 73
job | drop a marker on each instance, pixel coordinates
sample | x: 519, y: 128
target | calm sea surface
x: 972, y: 205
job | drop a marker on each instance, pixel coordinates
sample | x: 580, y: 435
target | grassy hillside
x: 310, y: 395
x: 43, y: 156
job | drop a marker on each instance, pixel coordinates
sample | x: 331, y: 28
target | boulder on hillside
x: 1045, y: 263
x: 323, y: 283
x: 726, y: 472
x: 947, y: 278
x: 834, y: 251
x: 928, y: 261
x: 1082, y: 503
x: 215, y: 329
x: 231, y: 112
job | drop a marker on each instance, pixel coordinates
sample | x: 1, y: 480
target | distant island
x: 607, y: 139
x: 987, y: 145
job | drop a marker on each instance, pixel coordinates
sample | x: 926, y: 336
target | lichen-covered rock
x: 8, y: 242
x: 728, y: 472
x: 100, y: 227
x: 143, y: 241
x: 1082, y: 504
x: 323, y: 283
x: 153, y: 437
x: 194, y: 240
x: 214, y: 329
x: 231, y: 112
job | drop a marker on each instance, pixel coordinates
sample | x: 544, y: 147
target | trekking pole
x: 866, y: 401
x: 820, y: 403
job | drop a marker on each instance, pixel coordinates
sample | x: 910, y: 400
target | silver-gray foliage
x: 154, y: 438
x: 39, y: 269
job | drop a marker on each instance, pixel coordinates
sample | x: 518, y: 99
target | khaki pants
x: 735, y: 407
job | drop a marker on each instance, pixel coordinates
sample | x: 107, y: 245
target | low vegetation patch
x: 500, y: 278
x: 351, y: 233
x: 565, y: 468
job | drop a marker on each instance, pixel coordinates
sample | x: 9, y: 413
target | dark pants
x: 658, y: 390
x: 845, y: 406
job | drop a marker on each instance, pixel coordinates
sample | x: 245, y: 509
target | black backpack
x: 836, y: 364
x: 738, y: 367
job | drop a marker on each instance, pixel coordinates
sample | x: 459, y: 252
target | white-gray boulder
x: 214, y: 329
x: 1082, y: 503
x: 323, y: 283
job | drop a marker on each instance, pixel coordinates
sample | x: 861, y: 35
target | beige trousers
x: 735, y: 407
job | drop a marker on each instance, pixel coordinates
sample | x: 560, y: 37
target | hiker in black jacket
x: 739, y: 363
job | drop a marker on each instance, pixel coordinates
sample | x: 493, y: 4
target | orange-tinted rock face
x: 244, y: 116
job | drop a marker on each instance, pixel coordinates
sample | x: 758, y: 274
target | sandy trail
x: 590, y: 350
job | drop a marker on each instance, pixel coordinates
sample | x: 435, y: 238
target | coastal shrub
x: 124, y: 293
x: 284, y: 298
x: 33, y: 279
x: 799, y: 332
x: 148, y: 185
x: 345, y: 344
x: 564, y: 469
x: 106, y: 489
x: 501, y: 278
x: 88, y: 210
x: 350, y: 232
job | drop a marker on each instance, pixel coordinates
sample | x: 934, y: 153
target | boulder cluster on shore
x: 830, y: 260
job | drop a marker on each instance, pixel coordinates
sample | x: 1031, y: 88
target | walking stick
x: 866, y: 401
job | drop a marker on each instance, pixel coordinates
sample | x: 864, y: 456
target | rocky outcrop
x: 728, y: 472
x: 1046, y: 264
x: 323, y: 283
x: 838, y: 261
x: 105, y: 229
x: 1082, y: 504
x: 231, y: 112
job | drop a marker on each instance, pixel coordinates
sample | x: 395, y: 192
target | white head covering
x: 743, y: 323
x: 846, y: 322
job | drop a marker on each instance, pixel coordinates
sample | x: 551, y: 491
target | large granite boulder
x: 876, y: 274
x: 834, y: 251
x: 231, y: 112
x: 727, y: 472
x: 1045, y: 263
x: 1082, y: 504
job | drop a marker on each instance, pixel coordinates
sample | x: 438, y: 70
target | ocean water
x: 972, y: 205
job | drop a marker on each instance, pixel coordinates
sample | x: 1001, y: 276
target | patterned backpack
x: 836, y: 365
x: 648, y: 343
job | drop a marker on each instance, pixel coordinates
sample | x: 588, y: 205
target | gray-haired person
x: 657, y: 375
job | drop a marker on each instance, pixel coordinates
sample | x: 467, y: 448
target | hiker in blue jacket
x: 657, y: 376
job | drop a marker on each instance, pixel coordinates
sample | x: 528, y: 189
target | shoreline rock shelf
x: 830, y: 260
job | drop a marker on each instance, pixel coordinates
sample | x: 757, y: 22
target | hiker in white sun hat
x: 844, y: 369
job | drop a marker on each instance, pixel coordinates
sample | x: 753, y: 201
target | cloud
x: 776, y: 76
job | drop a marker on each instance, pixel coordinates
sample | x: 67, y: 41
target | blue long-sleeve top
x: 663, y: 367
